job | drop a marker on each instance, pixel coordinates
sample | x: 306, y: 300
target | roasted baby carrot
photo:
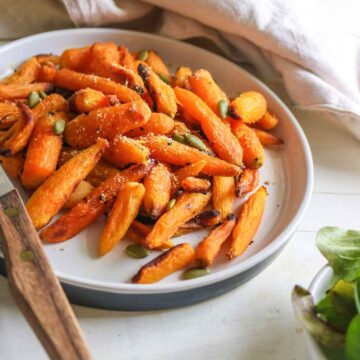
x: 157, y: 64
x: 9, y: 114
x: 43, y: 150
x: 25, y: 74
x: 247, y: 182
x: 13, y: 165
x: 249, y: 107
x: 75, y: 59
x: 187, y: 206
x: 182, y: 77
x: 89, y: 209
x: 52, y: 194
x: 248, y: 223
x: 52, y: 103
x: 88, y: 99
x: 162, y: 94
x: 193, y: 169
x: 220, y: 136
x: 158, y: 124
x: 193, y: 184
x: 224, y: 195
x: 17, y: 137
x: 108, y: 122
x: 124, y: 151
x: 122, y: 214
x: 169, y: 151
x: 267, y: 139
x: 253, y: 150
x: 165, y: 264
x: 210, y: 246
x: 12, y: 92
x: 158, y: 188
x: 267, y: 122
x: 73, y: 80
x: 47, y: 72
x: 204, y: 86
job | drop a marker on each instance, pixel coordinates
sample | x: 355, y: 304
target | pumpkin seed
x: 179, y: 138
x: 59, y: 127
x: 11, y: 211
x: 143, y: 55
x: 171, y: 204
x: 195, y: 142
x: 193, y: 273
x: 33, y: 99
x: 137, y: 251
x: 43, y: 94
x: 223, y: 108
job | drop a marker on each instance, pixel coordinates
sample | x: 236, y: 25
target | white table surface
x: 255, y: 321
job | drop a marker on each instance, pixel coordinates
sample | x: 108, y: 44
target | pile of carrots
x: 99, y: 130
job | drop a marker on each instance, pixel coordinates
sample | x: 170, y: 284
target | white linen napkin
x: 308, y: 51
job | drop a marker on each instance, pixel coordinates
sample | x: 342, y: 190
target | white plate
x: 287, y: 170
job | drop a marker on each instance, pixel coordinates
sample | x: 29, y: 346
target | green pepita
x: 43, y: 94
x: 27, y: 255
x: 143, y: 55
x: 195, y: 142
x: 223, y: 108
x: 164, y: 78
x: 33, y: 99
x: 59, y: 127
x: 137, y: 251
x: 11, y: 211
x: 179, y: 138
x: 171, y: 204
x: 193, y: 273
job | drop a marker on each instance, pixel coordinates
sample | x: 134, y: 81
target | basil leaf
x: 304, y: 307
x: 338, y: 308
x: 352, y: 342
x: 357, y: 294
x: 342, y: 250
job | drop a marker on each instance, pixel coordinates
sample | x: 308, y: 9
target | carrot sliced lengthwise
x: 73, y: 80
x: 211, y: 245
x: 248, y: 223
x: 25, y: 74
x: 193, y: 184
x: 17, y: 137
x: 9, y: 113
x: 247, y: 182
x: 224, y: 195
x: 162, y: 94
x: 53, y: 193
x: 254, y: 154
x: 267, y: 139
x: 124, y: 151
x: 165, y: 264
x: 43, y: 150
x: 169, y: 151
x: 158, y: 124
x: 187, y: 206
x: 267, y: 122
x: 88, y: 210
x: 12, y: 92
x: 122, y: 214
x: 158, y: 187
x: 220, y: 136
x: 204, y: 86
x: 108, y: 122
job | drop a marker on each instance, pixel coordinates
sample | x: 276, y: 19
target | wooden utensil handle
x: 34, y: 285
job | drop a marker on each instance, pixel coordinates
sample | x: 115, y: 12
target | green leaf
x: 352, y: 342
x: 304, y: 307
x: 338, y: 308
x: 342, y: 250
